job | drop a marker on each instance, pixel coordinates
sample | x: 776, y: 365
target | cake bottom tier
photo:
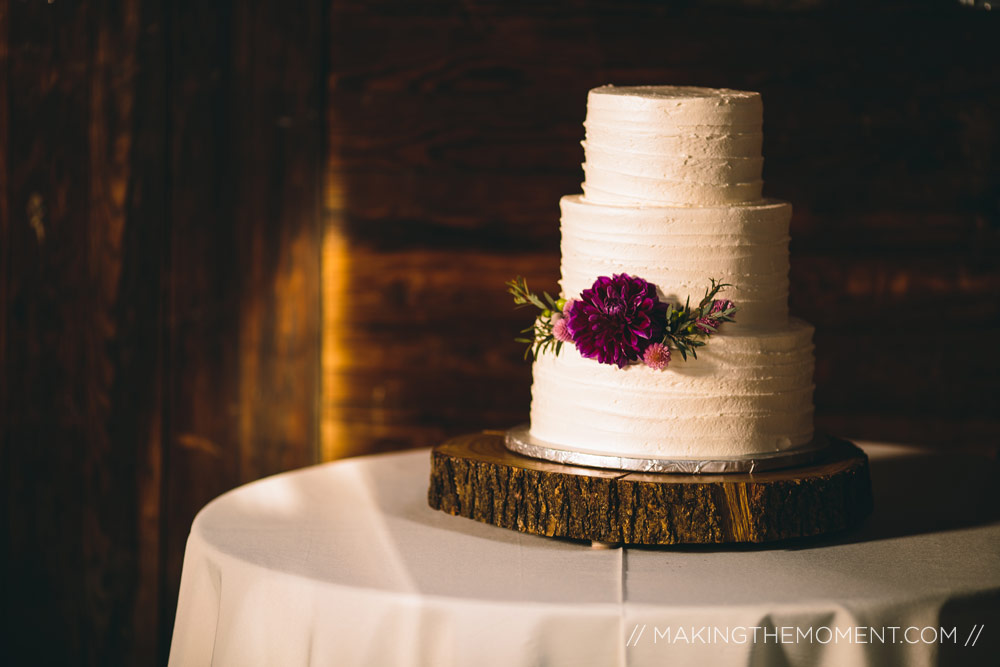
x: 747, y: 393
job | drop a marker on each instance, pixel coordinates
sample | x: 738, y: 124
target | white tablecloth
x: 345, y: 564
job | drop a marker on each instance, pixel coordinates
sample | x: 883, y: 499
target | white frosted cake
x: 672, y: 194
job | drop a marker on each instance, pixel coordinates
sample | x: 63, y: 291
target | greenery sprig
x: 542, y: 338
x: 687, y: 328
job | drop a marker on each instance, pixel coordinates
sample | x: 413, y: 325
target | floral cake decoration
x: 620, y: 320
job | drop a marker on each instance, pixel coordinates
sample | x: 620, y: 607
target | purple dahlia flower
x: 568, y: 307
x: 616, y: 319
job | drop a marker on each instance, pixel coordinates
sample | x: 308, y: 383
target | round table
x: 345, y: 564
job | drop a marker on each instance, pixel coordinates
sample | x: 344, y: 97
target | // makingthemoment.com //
x: 643, y: 633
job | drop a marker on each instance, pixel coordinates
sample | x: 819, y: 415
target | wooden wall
x: 241, y: 237
x: 161, y: 313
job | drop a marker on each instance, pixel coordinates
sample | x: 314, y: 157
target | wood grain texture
x: 6, y: 276
x: 200, y: 425
x: 127, y: 228
x: 245, y: 164
x: 160, y: 327
x: 83, y: 314
x: 476, y: 477
x: 50, y: 485
x: 277, y: 161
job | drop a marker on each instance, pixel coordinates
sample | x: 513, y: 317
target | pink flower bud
x: 656, y: 356
x: 560, y: 330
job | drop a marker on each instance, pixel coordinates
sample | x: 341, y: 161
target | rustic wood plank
x: 880, y: 231
x: 453, y: 206
x: 428, y: 286
x: 6, y: 289
x: 85, y: 305
x: 908, y: 372
x: 53, y: 342
x: 127, y: 230
x: 200, y: 425
x: 142, y: 311
x: 278, y: 89
x: 895, y: 292
x: 245, y: 241
x: 384, y: 398
x: 509, y: 135
x: 422, y: 339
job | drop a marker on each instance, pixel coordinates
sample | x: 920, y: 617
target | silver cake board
x: 520, y: 440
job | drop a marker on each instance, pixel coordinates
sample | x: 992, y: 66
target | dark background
x: 242, y: 237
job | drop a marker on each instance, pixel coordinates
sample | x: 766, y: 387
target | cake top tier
x: 673, y: 145
x: 675, y: 105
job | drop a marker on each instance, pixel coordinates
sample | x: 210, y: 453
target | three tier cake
x: 672, y: 193
x: 668, y: 350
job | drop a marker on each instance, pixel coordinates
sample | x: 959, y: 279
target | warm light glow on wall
x: 335, y: 271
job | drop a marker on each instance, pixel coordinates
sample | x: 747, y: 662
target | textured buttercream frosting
x: 672, y: 145
x: 679, y: 249
x: 672, y: 194
x: 744, y: 394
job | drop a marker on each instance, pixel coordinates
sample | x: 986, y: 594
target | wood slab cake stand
x: 477, y: 477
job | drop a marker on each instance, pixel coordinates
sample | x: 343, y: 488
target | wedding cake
x: 671, y: 200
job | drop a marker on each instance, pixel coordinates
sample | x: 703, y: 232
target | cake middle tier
x: 679, y: 249
x: 745, y: 394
